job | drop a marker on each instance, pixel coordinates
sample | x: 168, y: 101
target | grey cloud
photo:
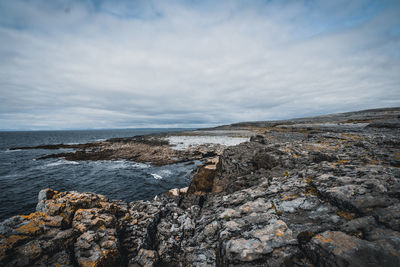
x: 81, y: 66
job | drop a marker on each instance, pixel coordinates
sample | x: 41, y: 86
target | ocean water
x: 22, y: 176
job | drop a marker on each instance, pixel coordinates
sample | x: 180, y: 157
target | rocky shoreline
x: 308, y: 192
x: 154, y: 149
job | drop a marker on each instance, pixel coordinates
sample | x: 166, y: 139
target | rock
x: 59, y: 225
x: 173, y: 192
x: 339, y: 249
x: 389, y: 216
x: 92, y: 219
x: 318, y: 157
x: 44, y: 195
x: 308, y: 192
x: 261, y: 242
x: 229, y: 213
x: 259, y: 139
x: 360, y: 225
x: 202, y: 182
x: 59, y: 259
x: 395, y: 124
x: 237, y: 165
x: 147, y: 258
x: 98, y: 248
x: 154, y: 149
x: 244, y: 250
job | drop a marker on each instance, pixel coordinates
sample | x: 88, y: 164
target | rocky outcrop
x: 153, y: 149
x: 288, y: 197
x: 67, y: 229
x: 203, y: 180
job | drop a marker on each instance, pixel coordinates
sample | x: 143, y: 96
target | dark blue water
x: 22, y: 176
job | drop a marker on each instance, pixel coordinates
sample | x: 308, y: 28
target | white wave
x: 141, y: 165
x: 61, y: 162
x: 121, y: 164
x: 10, y: 175
x: 10, y: 151
x: 126, y: 164
x: 156, y: 176
x: 166, y: 172
x: 115, y: 164
x: 100, y: 140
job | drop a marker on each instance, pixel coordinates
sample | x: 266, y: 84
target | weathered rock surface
x: 290, y: 197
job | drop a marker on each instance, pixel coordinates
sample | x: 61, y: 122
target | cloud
x: 106, y: 64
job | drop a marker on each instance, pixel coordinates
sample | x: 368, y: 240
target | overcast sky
x: 121, y: 64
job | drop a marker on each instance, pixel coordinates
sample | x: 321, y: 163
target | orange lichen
x: 89, y: 264
x: 34, y: 215
x: 30, y: 228
x: 347, y: 215
x: 127, y: 218
x: 35, y: 221
x: 65, y: 263
x: 11, y: 241
x: 279, y: 232
x: 110, y: 253
x: 312, y: 191
x: 324, y: 239
x: 353, y: 137
x: 343, y: 161
x: 373, y: 162
x: 277, y: 212
x: 287, y: 197
x: 39, y: 219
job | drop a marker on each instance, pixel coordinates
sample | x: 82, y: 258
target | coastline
x: 304, y: 192
x: 156, y: 149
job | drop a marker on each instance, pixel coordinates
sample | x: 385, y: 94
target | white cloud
x: 81, y: 66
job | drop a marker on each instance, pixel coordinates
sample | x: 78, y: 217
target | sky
x: 137, y: 64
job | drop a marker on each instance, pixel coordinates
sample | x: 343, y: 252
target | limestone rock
x: 306, y: 192
x: 339, y: 249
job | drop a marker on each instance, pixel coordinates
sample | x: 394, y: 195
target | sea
x: 23, y: 175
